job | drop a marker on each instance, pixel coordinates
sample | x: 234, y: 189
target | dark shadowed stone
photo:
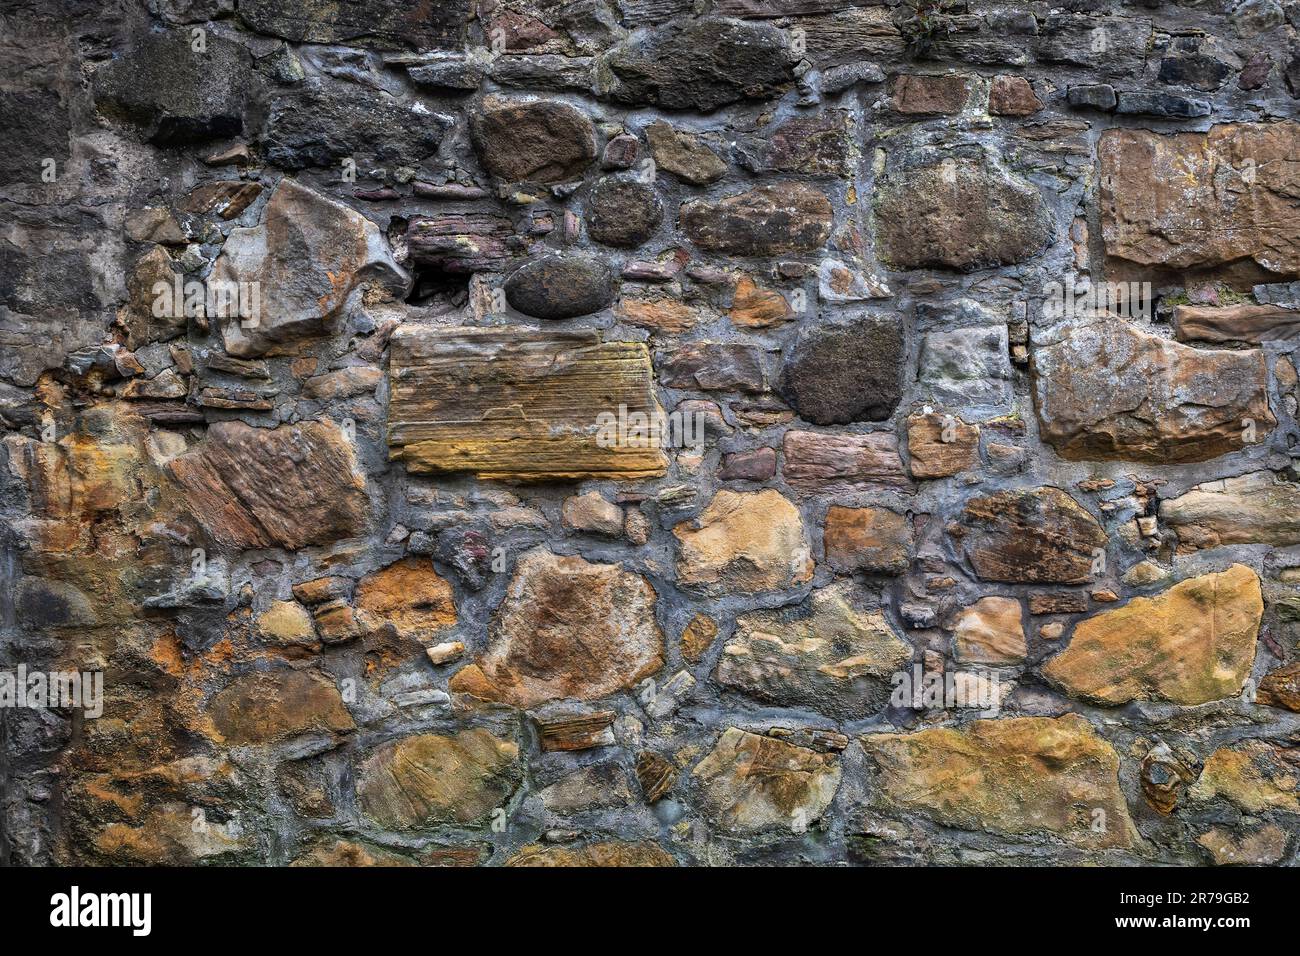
x: 819, y: 145
x: 176, y: 94
x: 561, y: 287
x: 543, y: 142
x: 22, y: 157
x: 766, y: 221
x: 1038, y: 535
x: 1073, y: 38
x: 1155, y: 103
x: 382, y: 24
x: 623, y: 212
x: 321, y: 124
x: 959, y: 214
x: 1194, y: 69
x: 700, y: 65
x: 1097, y: 96
x: 713, y: 366
x: 853, y: 372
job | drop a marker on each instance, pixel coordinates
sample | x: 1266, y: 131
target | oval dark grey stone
x: 561, y: 287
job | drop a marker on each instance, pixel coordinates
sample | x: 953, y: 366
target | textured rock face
x: 745, y: 542
x: 1106, y: 391
x: 260, y: 708
x: 305, y: 261
x: 440, y: 422
x: 560, y: 287
x: 848, y: 373
x: 287, y: 487
x: 1017, y: 776
x: 174, y: 96
x: 567, y: 628
x: 959, y: 214
x: 832, y: 655
x: 765, y: 221
x: 543, y: 142
x: 750, y: 783
x: 520, y: 404
x: 1190, y: 644
x: 870, y: 539
x: 1159, y: 191
x: 1256, y: 508
x: 385, y: 25
x: 1035, y: 535
x: 990, y: 632
x: 430, y: 779
x: 701, y: 65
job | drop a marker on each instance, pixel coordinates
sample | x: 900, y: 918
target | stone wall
x: 329, y: 336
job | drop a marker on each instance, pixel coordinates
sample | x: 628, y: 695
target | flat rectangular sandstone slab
x: 518, y: 403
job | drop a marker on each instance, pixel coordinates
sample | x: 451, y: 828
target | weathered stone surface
x: 755, y: 307
x: 697, y: 637
x: 1030, y: 535
x: 1158, y: 191
x: 918, y: 94
x: 867, y: 539
x: 429, y: 779
x: 567, y: 628
x: 623, y: 212
x: 967, y: 367
x: 561, y: 287
x: 408, y: 596
x: 1262, y: 847
x: 1250, y: 324
x: 567, y: 727
x: 310, y: 259
x: 959, y: 214
x: 175, y: 94
x: 1254, y: 775
x: 510, y: 403
x: 700, y: 65
x: 321, y: 124
x: 1255, y: 508
x: 684, y: 154
x: 849, y: 372
x: 1281, y: 688
x: 346, y: 853
x: 990, y: 632
x: 387, y: 24
x: 1021, y: 776
x: 535, y: 141
x: 820, y: 145
x: 264, y: 707
x: 286, y: 487
x: 756, y: 465
x: 749, y: 783
x: 1106, y: 391
x: 819, y: 462
x: 593, y: 512
x: 714, y: 366
x: 464, y: 242
x: 286, y: 622
x: 1013, y: 96
x: 608, y: 854
x: 939, y: 445
x: 830, y: 654
x: 743, y: 542
x: 767, y: 220
x: 1191, y: 644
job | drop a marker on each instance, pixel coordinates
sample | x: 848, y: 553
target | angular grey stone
x: 967, y: 366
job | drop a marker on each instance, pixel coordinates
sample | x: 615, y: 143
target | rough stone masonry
x: 651, y: 432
